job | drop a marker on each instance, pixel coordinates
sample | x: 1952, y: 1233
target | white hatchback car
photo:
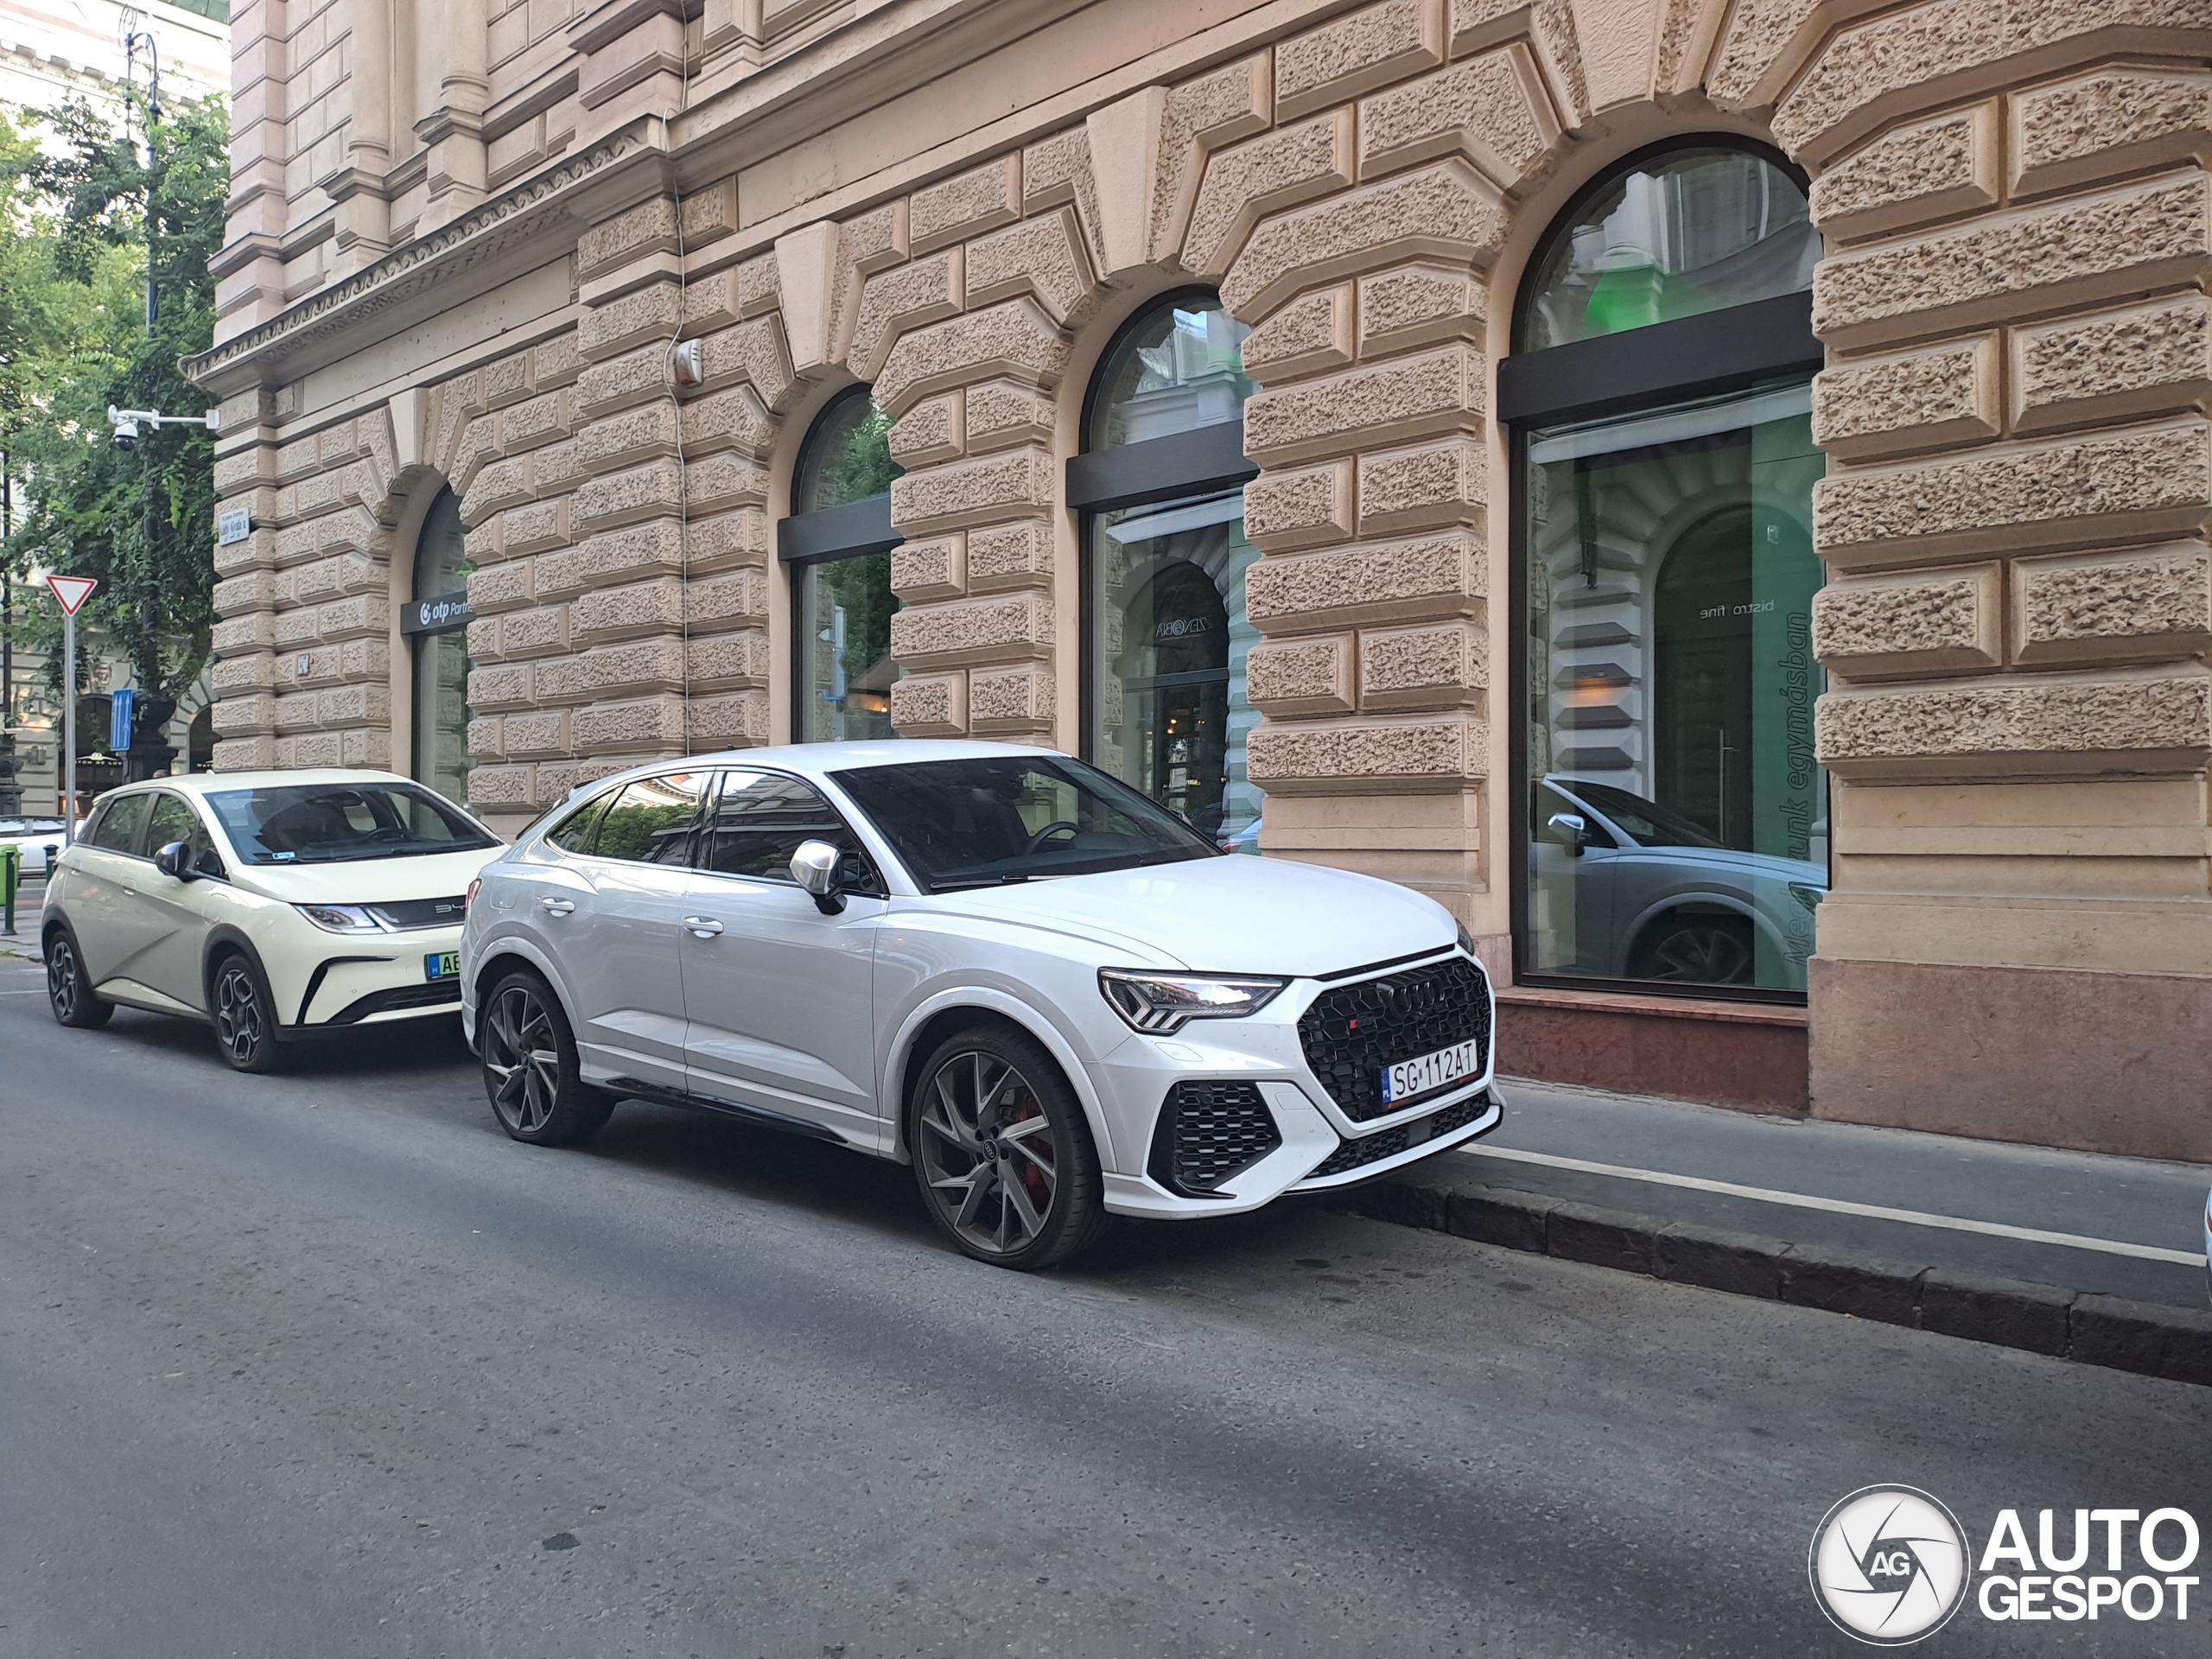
x: 1052, y: 997
x: 273, y: 905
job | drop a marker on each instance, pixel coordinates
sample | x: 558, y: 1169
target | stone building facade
x: 465, y: 238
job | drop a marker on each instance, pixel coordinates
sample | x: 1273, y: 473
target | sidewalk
x: 2098, y: 1257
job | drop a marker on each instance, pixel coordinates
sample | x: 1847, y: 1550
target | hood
x: 1226, y: 915
x: 366, y: 880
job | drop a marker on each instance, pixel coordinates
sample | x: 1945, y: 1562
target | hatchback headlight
x: 340, y: 918
x: 1159, y: 1003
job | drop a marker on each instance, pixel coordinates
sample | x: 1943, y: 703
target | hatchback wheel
x: 530, y: 1066
x: 1000, y: 1149
x: 68, y: 992
x: 245, y: 1024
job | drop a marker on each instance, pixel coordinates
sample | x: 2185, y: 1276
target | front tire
x: 530, y: 1066
x: 69, y: 989
x: 1001, y: 1152
x: 1686, y: 948
x: 244, y: 1016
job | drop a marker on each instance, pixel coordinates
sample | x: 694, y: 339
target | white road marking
x: 1840, y: 1206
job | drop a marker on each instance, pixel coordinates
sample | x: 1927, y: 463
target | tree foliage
x: 73, y: 340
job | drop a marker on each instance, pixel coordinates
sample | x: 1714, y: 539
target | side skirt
x: 639, y: 1089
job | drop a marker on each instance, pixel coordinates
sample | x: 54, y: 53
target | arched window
x: 1660, y: 400
x: 1161, y: 484
x: 837, y: 543
x: 436, y: 624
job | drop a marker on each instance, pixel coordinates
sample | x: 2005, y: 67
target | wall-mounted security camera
x: 126, y: 423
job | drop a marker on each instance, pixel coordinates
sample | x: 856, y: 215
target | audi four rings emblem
x: 1888, y: 1564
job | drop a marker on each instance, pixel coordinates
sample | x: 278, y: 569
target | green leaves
x: 73, y: 340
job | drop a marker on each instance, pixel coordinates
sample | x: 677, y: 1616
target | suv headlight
x: 340, y: 918
x: 1159, y: 1003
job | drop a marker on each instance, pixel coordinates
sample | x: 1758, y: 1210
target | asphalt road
x: 324, y: 1365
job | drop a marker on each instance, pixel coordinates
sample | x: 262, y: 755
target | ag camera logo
x: 1888, y: 1564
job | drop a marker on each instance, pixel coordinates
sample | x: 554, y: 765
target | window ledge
x: 1655, y: 1006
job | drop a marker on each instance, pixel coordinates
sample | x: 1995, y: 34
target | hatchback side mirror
x: 815, y: 866
x: 174, y: 860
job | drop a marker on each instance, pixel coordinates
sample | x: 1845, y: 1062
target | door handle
x: 703, y: 927
x: 557, y: 907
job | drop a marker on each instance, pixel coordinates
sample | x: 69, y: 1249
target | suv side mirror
x: 815, y: 866
x: 174, y: 860
x: 1575, y: 827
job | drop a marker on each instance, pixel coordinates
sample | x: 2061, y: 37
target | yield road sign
x: 71, y: 591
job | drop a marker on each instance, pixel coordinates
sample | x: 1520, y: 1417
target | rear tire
x: 69, y: 989
x: 1002, y: 1153
x: 244, y: 1015
x: 531, y: 1075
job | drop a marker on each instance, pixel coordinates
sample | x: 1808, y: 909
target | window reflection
x: 1679, y: 820
x: 845, y: 603
x: 441, y: 667
x: 1698, y: 231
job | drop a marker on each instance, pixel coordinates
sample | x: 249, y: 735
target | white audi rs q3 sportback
x: 272, y: 905
x: 1053, y: 998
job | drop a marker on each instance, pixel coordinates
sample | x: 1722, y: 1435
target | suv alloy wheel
x: 1000, y: 1149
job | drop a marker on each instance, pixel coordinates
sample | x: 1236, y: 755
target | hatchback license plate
x: 441, y: 964
x: 1431, y: 1071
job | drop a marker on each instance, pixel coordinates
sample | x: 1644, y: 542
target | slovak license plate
x: 1431, y: 1071
x: 441, y: 964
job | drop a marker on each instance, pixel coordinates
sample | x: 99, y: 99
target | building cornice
x: 538, y: 217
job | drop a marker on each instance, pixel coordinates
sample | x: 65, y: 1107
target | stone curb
x: 2175, y: 1343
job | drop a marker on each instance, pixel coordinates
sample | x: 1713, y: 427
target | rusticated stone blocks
x: 2108, y: 122
x: 2144, y: 483
x: 1262, y: 176
x: 1305, y: 508
x: 2040, y: 726
x: 1313, y: 333
x: 1492, y: 108
x: 1018, y: 554
x: 1014, y: 338
x: 1414, y: 489
x: 973, y: 491
x: 931, y: 569
x: 1937, y: 169
x: 974, y: 202
x: 1923, y: 623
x: 1370, y: 48
x: 1008, y: 701
x: 1436, y: 577
x: 648, y: 723
x: 1401, y: 399
x: 990, y: 630
x: 1411, y: 756
x: 1944, y: 395
x: 1440, y: 667
x: 739, y: 721
x: 2145, y: 604
x: 1301, y: 676
x: 1444, y: 210
x: 2117, y: 364
x: 1416, y: 306
x: 2074, y: 252
x: 930, y: 705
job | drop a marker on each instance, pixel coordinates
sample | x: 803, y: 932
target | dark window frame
x: 853, y: 530
x: 1764, y: 340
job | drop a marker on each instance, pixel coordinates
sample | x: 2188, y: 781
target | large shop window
x: 1160, y: 485
x: 837, y: 543
x: 1660, y: 398
x: 435, y: 623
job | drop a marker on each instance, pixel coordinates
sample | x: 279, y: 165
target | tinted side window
x: 760, y: 819
x: 580, y: 833
x: 650, y: 821
x: 118, y: 828
x: 175, y: 820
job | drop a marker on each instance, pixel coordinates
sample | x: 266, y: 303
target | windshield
x: 1645, y: 822
x: 979, y: 823
x: 324, y: 823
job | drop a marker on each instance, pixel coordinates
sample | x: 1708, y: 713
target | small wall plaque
x: 235, y: 525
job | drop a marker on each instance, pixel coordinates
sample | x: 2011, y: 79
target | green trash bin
x: 12, y: 877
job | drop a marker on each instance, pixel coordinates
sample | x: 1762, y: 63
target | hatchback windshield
x: 975, y: 824
x: 322, y: 823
